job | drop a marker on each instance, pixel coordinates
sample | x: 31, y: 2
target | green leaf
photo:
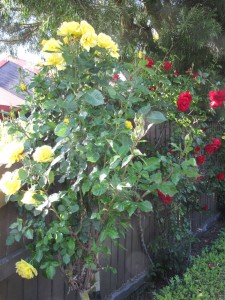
x: 22, y: 174
x: 29, y: 234
x: 71, y: 244
x: 112, y: 92
x: 155, y: 117
x: 61, y: 130
x: 152, y: 164
x: 10, y: 240
x: 74, y: 208
x: 94, y: 98
x: 126, y: 160
x: 50, y: 177
x: 99, y: 188
x: 66, y: 258
x: 86, y: 186
x: 93, y: 157
x: 114, y: 161
x: 156, y: 178
x: 50, y: 272
x: 188, y: 163
x: 145, y: 110
x: 145, y: 206
x: 168, y: 188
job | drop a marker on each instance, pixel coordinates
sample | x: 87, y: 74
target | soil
x: 205, y: 239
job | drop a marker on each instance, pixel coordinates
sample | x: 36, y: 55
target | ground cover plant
x: 203, y: 280
x: 85, y: 165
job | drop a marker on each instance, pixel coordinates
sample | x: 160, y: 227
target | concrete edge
x: 129, y: 287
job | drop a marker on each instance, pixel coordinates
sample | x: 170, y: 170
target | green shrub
x: 203, y: 280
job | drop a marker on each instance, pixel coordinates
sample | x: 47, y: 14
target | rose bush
x: 85, y: 167
x: 83, y: 172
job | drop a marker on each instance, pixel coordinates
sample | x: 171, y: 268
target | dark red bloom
x: 217, y: 98
x: 217, y: 142
x: 200, y: 159
x: 195, y: 75
x: 189, y: 71
x: 211, y: 265
x: 152, y: 88
x: 171, y: 151
x: 167, y: 65
x: 116, y: 76
x: 205, y: 207
x: 150, y: 63
x: 184, y: 101
x: 197, y: 150
x: 199, y: 178
x: 210, y: 148
x: 166, y: 199
x: 220, y: 176
x: 176, y: 73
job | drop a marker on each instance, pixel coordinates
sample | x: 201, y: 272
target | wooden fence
x: 129, y: 262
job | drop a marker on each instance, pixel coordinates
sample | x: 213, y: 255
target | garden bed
x: 205, y: 239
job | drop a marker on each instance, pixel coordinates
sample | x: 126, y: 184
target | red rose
x: 166, y: 199
x: 216, y: 142
x: 220, y: 176
x: 150, y: 63
x: 116, y: 76
x: 167, y: 65
x: 189, y: 71
x: 184, y: 101
x: 197, y: 150
x: 199, y: 178
x: 217, y: 98
x: 152, y: 88
x: 205, y: 207
x: 211, y: 265
x: 195, y: 75
x: 176, y: 73
x: 210, y: 148
x: 200, y: 159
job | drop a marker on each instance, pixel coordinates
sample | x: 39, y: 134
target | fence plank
x: 31, y: 289
x: 16, y: 288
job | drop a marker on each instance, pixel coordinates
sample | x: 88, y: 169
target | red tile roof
x: 10, y: 78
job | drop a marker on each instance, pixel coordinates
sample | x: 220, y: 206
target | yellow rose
x: 86, y: 27
x: 140, y: 54
x: 104, y: 41
x: 155, y: 35
x: 66, y: 40
x: 114, y: 50
x: 9, y: 183
x: 43, y: 154
x: 11, y: 153
x: 69, y: 28
x: 28, y: 198
x: 55, y: 59
x: 23, y: 87
x: 51, y: 45
x: 66, y: 121
x: 25, y: 270
x: 128, y: 125
x: 88, y: 40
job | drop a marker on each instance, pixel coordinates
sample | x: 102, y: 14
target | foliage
x: 192, y: 31
x: 203, y: 280
x: 83, y: 171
